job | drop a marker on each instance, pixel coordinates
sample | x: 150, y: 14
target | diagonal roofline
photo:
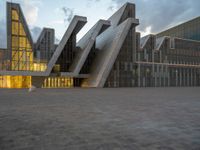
x: 75, y: 26
x: 16, y: 6
x: 86, y: 43
x: 109, y: 54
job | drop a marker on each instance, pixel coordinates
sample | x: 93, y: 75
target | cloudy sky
x: 154, y: 15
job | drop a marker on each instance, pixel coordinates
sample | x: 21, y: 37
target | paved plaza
x: 100, y: 119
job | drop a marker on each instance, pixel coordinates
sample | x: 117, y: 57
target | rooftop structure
x: 187, y: 30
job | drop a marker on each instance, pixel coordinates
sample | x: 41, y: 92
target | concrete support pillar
x: 184, y: 76
x: 176, y: 72
x: 188, y: 78
x: 157, y: 76
x: 195, y: 77
x: 165, y: 71
x: 162, y: 75
x: 153, y: 75
x: 192, y: 83
x: 168, y: 76
x: 198, y: 79
x: 180, y: 76
x: 139, y: 75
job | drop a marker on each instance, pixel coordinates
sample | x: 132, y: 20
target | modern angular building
x: 111, y: 54
x: 187, y: 30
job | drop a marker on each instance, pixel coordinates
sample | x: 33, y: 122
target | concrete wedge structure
x: 86, y: 43
x: 110, y: 43
x: 75, y: 26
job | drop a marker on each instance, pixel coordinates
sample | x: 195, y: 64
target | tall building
x: 111, y: 54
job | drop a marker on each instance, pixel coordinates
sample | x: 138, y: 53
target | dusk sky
x: 154, y: 15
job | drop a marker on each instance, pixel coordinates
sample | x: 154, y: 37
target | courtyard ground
x: 100, y: 119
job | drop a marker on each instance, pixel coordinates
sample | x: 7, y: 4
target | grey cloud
x: 68, y: 14
x: 57, y: 41
x: 94, y: 0
x: 161, y: 14
x: 3, y: 39
x: 35, y: 32
x: 91, y: 2
x: 111, y: 8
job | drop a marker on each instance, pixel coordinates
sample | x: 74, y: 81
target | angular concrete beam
x: 109, y: 43
x: 86, y: 43
x: 75, y: 26
x: 23, y: 73
x: 116, y: 17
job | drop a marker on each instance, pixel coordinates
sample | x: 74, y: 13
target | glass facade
x: 121, y: 74
x: 68, y: 54
x: 91, y: 56
x: 15, y: 81
x: 39, y: 66
x: 175, y: 63
x: 22, y: 53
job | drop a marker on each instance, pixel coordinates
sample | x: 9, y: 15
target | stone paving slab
x: 100, y: 119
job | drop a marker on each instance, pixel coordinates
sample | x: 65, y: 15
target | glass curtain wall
x: 22, y: 53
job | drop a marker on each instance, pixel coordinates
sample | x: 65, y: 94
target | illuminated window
x: 58, y: 82
x: 15, y: 15
x: 15, y: 42
x: 15, y: 28
x: 21, y: 30
x: 22, y: 54
x: 15, y: 81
